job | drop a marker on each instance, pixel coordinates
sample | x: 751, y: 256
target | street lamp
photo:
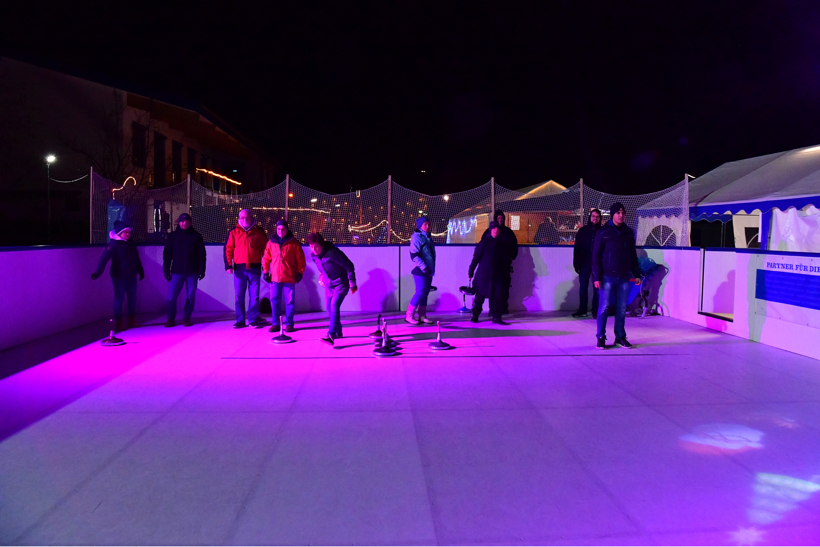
x: 51, y: 158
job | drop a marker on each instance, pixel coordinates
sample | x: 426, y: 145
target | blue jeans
x: 583, y: 293
x: 246, y: 279
x: 175, y: 287
x: 277, y: 291
x: 123, y: 287
x: 614, y: 291
x: 335, y: 297
x: 423, y: 284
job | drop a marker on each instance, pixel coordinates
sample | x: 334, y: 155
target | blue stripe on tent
x: 749, y: 206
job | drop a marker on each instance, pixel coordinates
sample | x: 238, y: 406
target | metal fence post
x: 91, y: 207
x: 684, y: 242
x: 287, y: 195
x: 581, y: 182
x: 492, y: 198
x: 389, y: 207
x: 189, y: 193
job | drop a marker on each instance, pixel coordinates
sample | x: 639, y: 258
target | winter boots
x: 410, y: 315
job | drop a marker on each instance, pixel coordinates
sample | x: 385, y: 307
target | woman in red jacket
x: 283, y: 265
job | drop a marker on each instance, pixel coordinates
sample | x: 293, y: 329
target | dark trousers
x: 281, y: 296
x: 614, y: 292
x: 123, y: 287
x: 246, y: 280
x: 500, y: 290
x: 175, y: 287
x: 423, y: 285
x: 334, y: 298
x: 583, y: 294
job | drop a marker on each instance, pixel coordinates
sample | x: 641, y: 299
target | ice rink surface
x: 524, y: 434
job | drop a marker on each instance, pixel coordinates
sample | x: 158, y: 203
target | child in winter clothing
x: 125, y: 266
x: 283, y: 266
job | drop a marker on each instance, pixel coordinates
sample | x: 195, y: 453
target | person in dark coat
x: 337, y: 275
x: 125, y: 266
x: 183, y: 263
x: 614, y: 266
x: 547, y: 233
x: 508, y: 240
x: 582, y: 262
x: 492, y: 256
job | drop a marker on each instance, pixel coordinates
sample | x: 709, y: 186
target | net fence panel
x: 214, y: 214
x: 454, y: 218
x: 358, y: 217
x: 658, y: 218
x: 541, y: 219
x: 99, y: 205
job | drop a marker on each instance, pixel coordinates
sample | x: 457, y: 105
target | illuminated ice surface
x: 522, y: 434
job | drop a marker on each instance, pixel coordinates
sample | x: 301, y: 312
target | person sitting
x: 337, y: 275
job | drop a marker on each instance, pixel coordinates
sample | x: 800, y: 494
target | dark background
x: 627, y: 95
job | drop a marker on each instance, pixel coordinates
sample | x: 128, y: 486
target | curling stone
x: 112, y: 340
x: 282, y: 338
x: 438, y: 344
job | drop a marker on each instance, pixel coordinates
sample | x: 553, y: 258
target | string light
x: 123, y: 186
x: 223, y: 177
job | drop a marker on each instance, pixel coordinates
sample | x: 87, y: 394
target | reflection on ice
x: 721, y: 439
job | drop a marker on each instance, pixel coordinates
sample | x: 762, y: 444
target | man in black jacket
x: 183, y: 263
x: 492, y: 256
x: 582, y: 262
x: 506, y: 239
x: 614, y: 265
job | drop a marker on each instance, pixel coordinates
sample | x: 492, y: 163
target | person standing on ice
x: 423, y: 255
x: 506, y: 239
x: 582, y: 262
x: 492, y: 257
x: 283, y: 266
x: 243, y: 259
x: 183, y: 263
x: 614, y: 267
x: 337, y: 275
x: 125, y: 266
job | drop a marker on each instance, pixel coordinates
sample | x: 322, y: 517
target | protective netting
x: 542, y: 215
x: 452, y: 216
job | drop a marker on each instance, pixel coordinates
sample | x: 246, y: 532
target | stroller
x: 640, y: 292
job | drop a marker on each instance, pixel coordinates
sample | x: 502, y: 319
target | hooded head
x: 184, y: 221
x: 285, y: 229
x: 420, y: 222
x: 121, y: 230
x: 499, y: 213
x: 494, y: 228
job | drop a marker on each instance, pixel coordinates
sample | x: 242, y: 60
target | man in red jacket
x: 243, y: 259
x: 283, y: 266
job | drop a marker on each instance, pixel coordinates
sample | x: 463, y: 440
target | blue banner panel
x: 788, y: 288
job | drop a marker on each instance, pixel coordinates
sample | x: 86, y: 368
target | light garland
x: 123, y: 186
x: 223, y: 177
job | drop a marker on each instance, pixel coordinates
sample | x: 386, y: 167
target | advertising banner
x: 788, y: 288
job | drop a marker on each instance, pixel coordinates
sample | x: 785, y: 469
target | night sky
x: 627, y: 95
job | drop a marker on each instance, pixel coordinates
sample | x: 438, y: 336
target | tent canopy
x: 784, y: 179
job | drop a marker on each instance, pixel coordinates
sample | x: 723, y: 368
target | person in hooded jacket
x: 243, y: 259
x: 582, y: 262
x: 493, y: 259
x: 510, y: 242
x: 283, y: 266
x: 183, y: 263
x: 337, y: 275
x: 614, y: 266
x: 423, y: 255
x: 125, y: 266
